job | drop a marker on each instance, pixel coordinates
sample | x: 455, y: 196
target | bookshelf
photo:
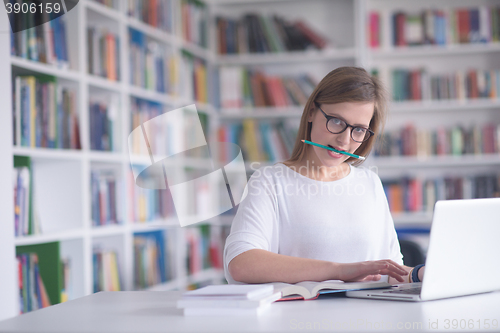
x: 445, y: 57
x: 64, y: 177
x: 90, y: 234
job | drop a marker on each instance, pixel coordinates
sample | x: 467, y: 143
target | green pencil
x: 334, y: 150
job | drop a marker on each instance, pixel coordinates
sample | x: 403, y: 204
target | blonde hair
x: 344, y: 84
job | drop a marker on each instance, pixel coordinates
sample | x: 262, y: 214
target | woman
x: 316, y: 216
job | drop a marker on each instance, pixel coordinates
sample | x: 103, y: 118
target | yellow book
x: 250, y: 139
x: 115, y: 279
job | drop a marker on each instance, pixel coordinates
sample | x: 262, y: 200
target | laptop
x: 463, y: 254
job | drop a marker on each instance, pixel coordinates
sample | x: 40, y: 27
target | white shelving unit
x: 62, y: 177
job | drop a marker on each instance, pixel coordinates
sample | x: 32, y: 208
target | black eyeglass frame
x: 328, y: 117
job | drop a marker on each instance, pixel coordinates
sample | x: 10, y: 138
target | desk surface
x: 148, y: 311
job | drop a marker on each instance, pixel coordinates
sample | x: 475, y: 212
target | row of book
x: 458, y: 140
x: 194, y: 18
x: 255, y: 33
x: 204, y: 248
x: 46, y: 43
x: 44, y: 276
x: 32, y: 291
x: 103, y: 53
x: 152, y: 265
x: 157, y: 13
x: 193, y: 78
x: 438, y: 26
x: 106, y: 271
x: 45, y: 113
x: 106, y: 196
x: 243, y: 87
x: 102, y: 121
x: 418, y: 84
x: 260, y: 141
x: 152, y: 64
x: 149, y: 205
x: 420, y: 195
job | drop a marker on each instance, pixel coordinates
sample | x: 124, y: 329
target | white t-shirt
x: 347, y: 220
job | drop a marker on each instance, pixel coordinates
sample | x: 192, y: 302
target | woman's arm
x: 261, y: 266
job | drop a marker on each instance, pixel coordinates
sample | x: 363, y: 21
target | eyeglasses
x: 336, y: 126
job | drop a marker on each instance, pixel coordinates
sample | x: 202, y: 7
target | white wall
x: 8, y: 276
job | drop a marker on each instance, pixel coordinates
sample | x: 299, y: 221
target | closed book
x: 225, y: 311
x: 230, y: 292
x: 225, y: 303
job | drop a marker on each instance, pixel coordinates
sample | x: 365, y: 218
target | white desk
x: 138, y: 311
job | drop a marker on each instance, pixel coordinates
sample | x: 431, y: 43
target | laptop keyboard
x: 410, y: 291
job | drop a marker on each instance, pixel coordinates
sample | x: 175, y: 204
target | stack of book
x: 228, y: 300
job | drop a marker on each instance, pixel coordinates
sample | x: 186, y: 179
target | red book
x: 316, y: 39
x: 472, y: 88
x: 374, y: 29
x: 463, y: 25
x: 400, y: 29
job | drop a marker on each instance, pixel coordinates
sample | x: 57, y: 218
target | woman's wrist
x: 416, y: 274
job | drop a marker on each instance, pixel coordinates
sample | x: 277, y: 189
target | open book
x: 312, y: 289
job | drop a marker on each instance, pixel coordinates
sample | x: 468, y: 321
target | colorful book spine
x: 204, y: 248
x: 253, y: 33
x: 157, y: 13
x: 261, y: 141
x: 151, y: 64
x: 456, y: 141
x: 194, y: 78
x: 420, y: 195
x: 194, y: 18
x: 106, y: 189
x: 152, y: 259
x: 242, y: 87
x: 103, y: 53
x: 46, y: 43
x: 46, y: 113
x: 419, y: 84
x: 106, y: 271
x: 439, y: 26
x: 102, y: 116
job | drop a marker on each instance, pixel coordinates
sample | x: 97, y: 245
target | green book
x: 50, y: 267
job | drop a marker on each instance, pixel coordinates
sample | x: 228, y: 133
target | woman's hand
x: 371, y: 271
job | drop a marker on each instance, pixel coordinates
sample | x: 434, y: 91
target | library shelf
x: 103, y: 83
x: 138, y: 226
x: 104, y: 156
x: 108, y: 230
x: 152, y: 32
x: 406, y: 162
x: 104, y: 10
x: 445, y: 105
x: 435, y: 50
x: 34, y: 66
x: 50, y: 237
x: 49, y: 153
x: 262, y: 113
x: 286, y: 57
x: 197, y: 50
x: 152, y: 95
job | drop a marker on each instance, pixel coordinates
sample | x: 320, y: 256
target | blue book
x: 474, y: 36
